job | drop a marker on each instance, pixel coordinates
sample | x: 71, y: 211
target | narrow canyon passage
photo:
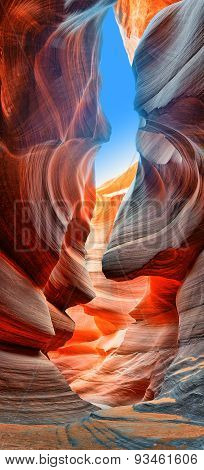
x: 110, y: 360
x: 89, y: 360
x: 101, y: 306
x: 107, y: 361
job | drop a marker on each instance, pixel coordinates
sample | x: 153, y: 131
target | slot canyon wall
x: 101, y: 301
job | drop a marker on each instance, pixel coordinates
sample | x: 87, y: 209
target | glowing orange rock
x: 134, y: 16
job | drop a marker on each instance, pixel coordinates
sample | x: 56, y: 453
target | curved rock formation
x: 51, y: 127
x: 167, y: 200
x: 134, y: 16
x: 137, y: 342
x: 158, y: 230
x: 89, y: 361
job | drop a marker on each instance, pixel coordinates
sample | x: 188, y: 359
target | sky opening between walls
x: 117, y: 101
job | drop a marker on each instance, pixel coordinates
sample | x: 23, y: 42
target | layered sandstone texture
x: 159, y: 228
x: 134, y: 16
x: 51, y: 126
x: 100, y: 290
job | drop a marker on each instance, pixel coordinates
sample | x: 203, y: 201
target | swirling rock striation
x: 133, y: 17
x: 50, y: 129
x: 159, y: 228
x: 51, y: 123
x: 97, y: 362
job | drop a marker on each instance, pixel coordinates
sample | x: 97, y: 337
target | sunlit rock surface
x: 138, y: 341
x: 109, y: 361
x: 97, y: 362
x: 134, y: 16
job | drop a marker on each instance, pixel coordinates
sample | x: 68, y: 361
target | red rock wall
x: 139, y: 340
x: 51, y: 126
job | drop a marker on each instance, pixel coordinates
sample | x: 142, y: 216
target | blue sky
x: 117, y: 98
